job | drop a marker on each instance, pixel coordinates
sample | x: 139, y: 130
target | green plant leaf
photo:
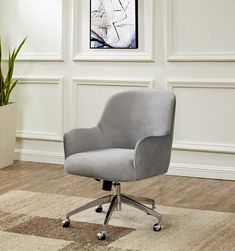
x: 7, y: 84
x: 13, y: 85
x: 19, y: 47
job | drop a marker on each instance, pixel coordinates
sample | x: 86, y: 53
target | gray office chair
x: 132, y: 141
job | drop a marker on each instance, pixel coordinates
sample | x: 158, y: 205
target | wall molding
x: 202, y: 83
x: 50, y: 57
x: 202, y: 171
x: 204, y: 147
x: 146, y: 54
x: 187, y: 56
x: 135, y: 83
x: 39, y: 156
x: 39, y: 80
x: 43, y: 135
x: 148, y: 83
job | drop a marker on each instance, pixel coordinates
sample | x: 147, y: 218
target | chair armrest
x: 152, y: 156
x: 82, y: 140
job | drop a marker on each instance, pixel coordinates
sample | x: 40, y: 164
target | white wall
x: 187, y: 46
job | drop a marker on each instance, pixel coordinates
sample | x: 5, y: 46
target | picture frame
x: 81, y: 36
x: 113, y: 24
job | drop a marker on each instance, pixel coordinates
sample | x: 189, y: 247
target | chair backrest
x: 132, y: 115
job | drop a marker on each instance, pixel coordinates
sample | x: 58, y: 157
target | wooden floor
x: 216, y: 195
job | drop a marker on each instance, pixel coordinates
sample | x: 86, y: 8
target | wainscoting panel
x: 41, y: 21
x: 40, y: 108
x: 204, y: 128
x: 201, y: 30
x: 205, y: 118
x: 90, y: 96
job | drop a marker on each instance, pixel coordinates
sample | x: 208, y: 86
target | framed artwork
x: 113, y: 24
x: 113, y: 30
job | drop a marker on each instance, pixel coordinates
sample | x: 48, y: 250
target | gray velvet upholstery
x: 113, y: 162
x: 132, y: 140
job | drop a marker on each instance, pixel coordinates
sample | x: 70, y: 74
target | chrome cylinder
x: 119, y: 204
x: 117, y: 191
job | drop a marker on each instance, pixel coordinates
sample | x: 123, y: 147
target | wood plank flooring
x: 206, y: 194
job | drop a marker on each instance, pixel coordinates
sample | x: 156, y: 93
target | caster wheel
x: 98, y: 209
x: 156, y: 227
x: 66, y: 223
x: 101, y: 235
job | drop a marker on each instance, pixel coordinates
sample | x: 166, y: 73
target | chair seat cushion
x: 114, y: 164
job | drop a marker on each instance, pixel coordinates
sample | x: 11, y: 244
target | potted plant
x: 7, y: 109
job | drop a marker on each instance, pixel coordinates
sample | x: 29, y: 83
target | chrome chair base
x: 115, y: 201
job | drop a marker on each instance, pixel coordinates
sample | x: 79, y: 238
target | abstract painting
x: 113, y: 24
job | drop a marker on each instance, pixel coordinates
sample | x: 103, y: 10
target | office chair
x: 131, y: 142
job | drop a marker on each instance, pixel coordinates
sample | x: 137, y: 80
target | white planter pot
x: 7, y: 134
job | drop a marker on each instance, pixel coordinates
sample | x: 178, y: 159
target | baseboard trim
x: 202, y: 171
x: 39, y: 156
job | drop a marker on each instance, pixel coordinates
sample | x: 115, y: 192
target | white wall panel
x: 40, y: 109
x: 90, y: 96
x: 210, y: 109
x: 41, y: 21
x: 205, y: 117
x: 201, y: 30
